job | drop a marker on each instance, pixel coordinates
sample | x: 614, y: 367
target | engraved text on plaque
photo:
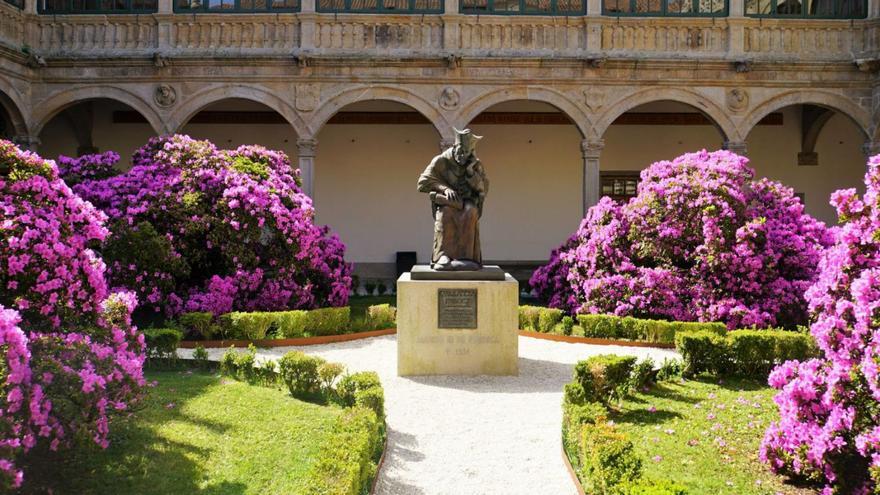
x: 457, y: 308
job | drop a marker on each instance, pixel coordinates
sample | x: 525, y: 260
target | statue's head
x: 465, y: 143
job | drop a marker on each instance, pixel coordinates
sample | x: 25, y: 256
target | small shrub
x: 548, y: 318
x: 567, y: 325
x: 608, y: 461
x: 370, y: 287
x: 642, y: 374
x: 248, y: 326
x: 246, y: 365
x: 328, y: 321
x: 528, y: 317
x: 356, y: 388
x: 265, y: 372
x: 702, y: 352
x: 576, y: 415
x: 200, y: 323
x: 381, y: 316
x: 604, y: 377
x: 670, y: 369
x: 299, y: 372
x: 328, y: 373
x: 200, y: 357
x: 162, y: 342
x: 229, y: 362
x: 291, y: 324
x: 346, y: 463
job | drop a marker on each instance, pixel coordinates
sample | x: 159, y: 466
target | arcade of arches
x: 371, y: 152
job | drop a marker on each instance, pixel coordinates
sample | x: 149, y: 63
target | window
x: 524, y: 7
x: 817, y: 9
x: 220, y: 6
x: 684, y: 8
x: 382, y: 6
x: 97, y: 6
x: 619, y: 186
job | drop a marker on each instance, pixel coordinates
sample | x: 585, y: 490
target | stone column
x: 738, y: 147
x: 590, y: 150
x: 166, y: 6
x: 30, y: 6
x: 30, y: 143
x: 306, y: 150
x: 307, y: 22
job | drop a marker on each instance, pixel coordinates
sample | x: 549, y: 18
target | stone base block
x: 439, y: 334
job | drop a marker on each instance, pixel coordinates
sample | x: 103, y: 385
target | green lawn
x: 705, y: 435
x: 197, y: 433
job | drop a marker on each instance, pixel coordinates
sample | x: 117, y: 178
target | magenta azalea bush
x: 195, y: 228
x: 700, y: 241
x: 829, y: 427
x: 69, y: 356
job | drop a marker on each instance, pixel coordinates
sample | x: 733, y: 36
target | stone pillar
x: 591, y: 149
x: 166, y: 6
x: 306, y: 150
x: 871, y: 148
x: 307, y: 23
x: 451, y: 6
x: 30, y: 143
x: 30, y: 6
x: 738, y: 147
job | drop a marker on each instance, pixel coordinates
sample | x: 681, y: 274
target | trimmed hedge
x: 247, y: 326
x: 749, y: 353
x: 363, y: 390
x: 347, y: 462
x: 162, y: 342
x: 199, y: 323
x: 601, y: 378
x: 539, y: 319
x: 299, y: 372
x: 381, y: 316
x: 609, y: 463
x: 629, y: 328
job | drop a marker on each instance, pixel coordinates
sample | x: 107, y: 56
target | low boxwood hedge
x: 748, y: 353
x: 629, y: 328
x: 162, y: 342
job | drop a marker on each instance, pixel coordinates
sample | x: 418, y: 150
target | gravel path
x: 470, y: 435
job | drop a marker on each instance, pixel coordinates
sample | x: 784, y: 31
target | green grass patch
x: 195, y: 433
x: 705, y: 435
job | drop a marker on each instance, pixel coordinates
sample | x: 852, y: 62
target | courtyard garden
x: 174, y: 328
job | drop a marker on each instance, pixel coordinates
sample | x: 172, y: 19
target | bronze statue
x: 457, y: 184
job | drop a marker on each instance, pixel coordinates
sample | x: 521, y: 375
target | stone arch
x: 58, y: 102
x: 833, y: 101
x: 483, y: 102
x: 10, y: 100
x: 713, y: 111
x: 197, y: 102
x: 326, y: 109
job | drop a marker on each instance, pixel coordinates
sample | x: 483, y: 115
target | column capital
x: 592, y: 148
x: 307, y: 147
x: 871, y: 148
x: 738, y: 147
x: 26, y: 142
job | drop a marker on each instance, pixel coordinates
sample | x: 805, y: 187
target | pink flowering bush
x: 195, y: 228
x: 829, y: 427
x: 69, y: 356
x: 701, y: 241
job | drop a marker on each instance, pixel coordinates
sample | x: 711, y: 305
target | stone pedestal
x: 457, y: 327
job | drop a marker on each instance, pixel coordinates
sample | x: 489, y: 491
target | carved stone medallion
x: 737, y: 100
x: 594, y: 97
x: 449, y: 98
x: 307, y: 97
x: 165, y: 95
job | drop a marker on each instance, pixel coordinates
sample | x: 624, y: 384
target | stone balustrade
x: 288, y: 34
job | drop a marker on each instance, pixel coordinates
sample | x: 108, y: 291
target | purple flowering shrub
x: 195, y: 228
x: 829, y: 427
x: 87, y: 167
x: 69, y: 356
x: 700, y: 241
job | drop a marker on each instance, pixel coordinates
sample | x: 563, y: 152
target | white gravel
x: 471, y: 435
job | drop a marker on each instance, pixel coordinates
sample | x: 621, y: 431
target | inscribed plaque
x: 457, y: 308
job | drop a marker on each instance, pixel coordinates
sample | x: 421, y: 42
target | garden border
x: 375, y: 482
x: 572, y: 474
x: 330, y: 339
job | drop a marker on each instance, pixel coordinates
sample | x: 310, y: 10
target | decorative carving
x: 307, y: 147
x: 165, y: 95
x: 449, y: 98
x: 594, y: 97
x: 302, y: 61
x: 741, y: 66
x: 595, y: 63
x: 592, y: 148
x: 737, y: 100
x: 160, y: 60
x: 35, y: 61
x: 869, y: 65
x: 453, y: 61
x: 307, y: 96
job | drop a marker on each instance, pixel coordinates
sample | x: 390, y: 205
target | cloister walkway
x: 470, y: 435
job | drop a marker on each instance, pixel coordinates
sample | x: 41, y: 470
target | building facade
x: 574, y: 98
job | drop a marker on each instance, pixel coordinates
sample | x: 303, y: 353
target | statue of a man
x: 457, y: 184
